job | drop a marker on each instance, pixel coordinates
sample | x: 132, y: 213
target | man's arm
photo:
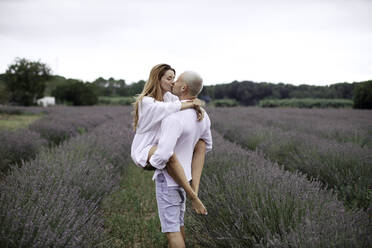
x: 197, y: 164
x: 201, y: 148
x: 170, y: 131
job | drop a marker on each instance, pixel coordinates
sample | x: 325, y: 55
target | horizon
x: 239, y: 81
x: 318, y: 42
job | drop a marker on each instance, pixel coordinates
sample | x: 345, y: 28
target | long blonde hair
x: 152, y: 88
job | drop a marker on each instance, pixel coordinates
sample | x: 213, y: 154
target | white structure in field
x: 46, y: 101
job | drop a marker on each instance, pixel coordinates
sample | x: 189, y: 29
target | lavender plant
x: 53, y: 200
x: 252, y: 202
x: 18, y: 145
x: 58, y: 125
x: 341, y: 125
x: 18, y: 110
x: 65, y: 122
x: 343, y: 165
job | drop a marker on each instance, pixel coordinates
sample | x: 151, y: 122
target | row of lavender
x: 334, y: 146
x: 58, y: 124
x: 252, y: 202
x: 53, y: 200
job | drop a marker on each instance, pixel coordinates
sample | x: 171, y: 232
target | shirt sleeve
x: 170, y: 131
x: 153, y: 112
x: 207, y: 135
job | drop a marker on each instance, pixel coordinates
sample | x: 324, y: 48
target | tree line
x: 24, y: 81
x: 250, y: 93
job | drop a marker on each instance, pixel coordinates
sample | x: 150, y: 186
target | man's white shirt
x: 179, y: 134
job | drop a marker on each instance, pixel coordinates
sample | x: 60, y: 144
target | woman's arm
x: 191, y: 104
x: 196, y: 104
x: 152, y: 112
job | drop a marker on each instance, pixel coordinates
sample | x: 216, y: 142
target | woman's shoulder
x: 169, y: 97
x: 148, y: 99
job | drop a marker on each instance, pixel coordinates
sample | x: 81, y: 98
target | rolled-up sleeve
x: 207, y: 136
x: 170, y: 131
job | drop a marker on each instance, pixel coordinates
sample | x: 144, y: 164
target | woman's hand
x: 197, y: 106
x: 197, y: 102
x: 200, y: 113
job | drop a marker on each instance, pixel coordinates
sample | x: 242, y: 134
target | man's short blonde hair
x: 194, y: 82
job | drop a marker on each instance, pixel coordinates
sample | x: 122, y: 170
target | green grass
x: 224, y: 103
x: 131, y: 214
x: 307, y: 103
x: 12, y: 122
x: 116, y: 100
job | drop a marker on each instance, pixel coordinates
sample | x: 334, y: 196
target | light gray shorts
x: 171, y: 205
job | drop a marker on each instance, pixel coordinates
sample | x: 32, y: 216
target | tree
x: 54, y: 82
x: 343, y: 90
x: 25, y: 81
x: 4, y: 94
x: 363, y: 95
x: 110, y: 87
x: 136, y: 88
x: 77, y: 93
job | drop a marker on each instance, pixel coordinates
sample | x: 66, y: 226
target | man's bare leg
x: 175, y: 240
x: 197, y: 164
x: 175, y: 170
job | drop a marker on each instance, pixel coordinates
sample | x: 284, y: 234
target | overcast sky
x: 318, y: 42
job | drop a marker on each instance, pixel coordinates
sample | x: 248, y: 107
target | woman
x: 153, y: 105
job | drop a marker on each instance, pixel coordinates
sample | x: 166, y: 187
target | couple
x: 173, y: 143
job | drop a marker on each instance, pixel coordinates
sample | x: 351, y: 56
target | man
x: 179, y: 134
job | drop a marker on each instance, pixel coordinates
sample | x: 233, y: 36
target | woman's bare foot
x: 198, y: 206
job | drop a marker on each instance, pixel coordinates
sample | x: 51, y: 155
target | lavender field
x: 331, y: 145
x: 275, y: 178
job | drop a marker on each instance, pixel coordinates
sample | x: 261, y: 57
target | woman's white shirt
x: 151, y: 113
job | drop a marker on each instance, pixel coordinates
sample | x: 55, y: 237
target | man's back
x: 179, y: 133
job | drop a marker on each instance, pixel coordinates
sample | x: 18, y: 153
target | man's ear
x: 184, y: 87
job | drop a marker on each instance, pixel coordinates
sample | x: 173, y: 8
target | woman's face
x: 166, y: 81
